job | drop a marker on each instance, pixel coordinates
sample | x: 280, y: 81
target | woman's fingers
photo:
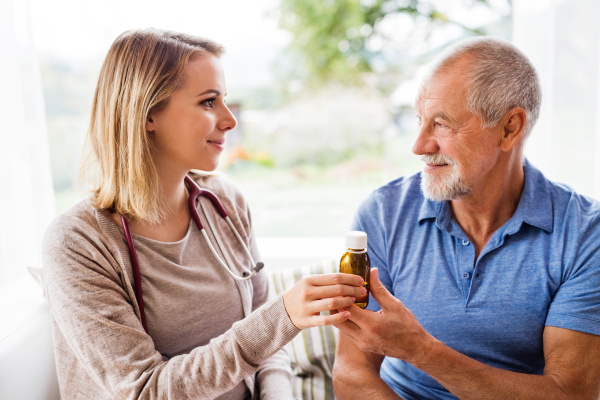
x: 335, y: 279
x: 313, y: 294
x: 321, y: 320
x: 330, y: 304
x: 325, y: 292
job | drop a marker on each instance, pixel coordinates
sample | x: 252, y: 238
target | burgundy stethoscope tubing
x: 195, y: 192
x: 136, y: 271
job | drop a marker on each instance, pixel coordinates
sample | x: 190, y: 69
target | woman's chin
x: 206, y: 167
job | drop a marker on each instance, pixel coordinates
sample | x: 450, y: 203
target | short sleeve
x: 576, y: 304
x: 369, y: 219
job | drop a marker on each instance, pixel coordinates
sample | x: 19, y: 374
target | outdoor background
x: 322, y: 90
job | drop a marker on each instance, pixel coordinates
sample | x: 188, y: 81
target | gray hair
x: 500, y: 77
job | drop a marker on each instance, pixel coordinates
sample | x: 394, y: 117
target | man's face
x: 457, y: 152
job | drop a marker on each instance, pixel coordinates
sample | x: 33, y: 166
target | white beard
x: 442, y: 186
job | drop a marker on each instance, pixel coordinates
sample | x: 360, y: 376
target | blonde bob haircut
x: 141, y: 71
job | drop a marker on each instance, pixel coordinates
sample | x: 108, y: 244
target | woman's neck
x: 173, y: 205
x: 173, y: 195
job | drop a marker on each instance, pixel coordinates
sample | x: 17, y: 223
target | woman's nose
x: 426, y: 143
x: 227, y: 121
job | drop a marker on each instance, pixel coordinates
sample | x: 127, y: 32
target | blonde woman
x: 183, y: 328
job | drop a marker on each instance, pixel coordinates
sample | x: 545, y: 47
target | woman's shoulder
x: 78, y: 223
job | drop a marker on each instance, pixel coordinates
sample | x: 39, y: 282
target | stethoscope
x: 195, y: 192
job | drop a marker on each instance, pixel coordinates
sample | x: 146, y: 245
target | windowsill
x: 290, y: 252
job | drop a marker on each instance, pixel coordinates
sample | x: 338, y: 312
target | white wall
x: 562, y: 39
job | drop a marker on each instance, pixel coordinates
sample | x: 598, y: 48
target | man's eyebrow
x: 444, y: 116
x: 210, y: 91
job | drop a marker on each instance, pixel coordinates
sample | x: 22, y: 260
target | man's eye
x: 440, y: 125
x: 208, y: 102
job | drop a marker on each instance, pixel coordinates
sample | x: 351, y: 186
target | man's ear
x: 513, y: 126
x: 150, y: 124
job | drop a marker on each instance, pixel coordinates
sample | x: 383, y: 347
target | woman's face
x: 189, y: 133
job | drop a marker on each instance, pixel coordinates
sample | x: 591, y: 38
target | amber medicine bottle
x: 356, y: 261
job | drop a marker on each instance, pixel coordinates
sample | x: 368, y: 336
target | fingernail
x: 354, y: 299
x: 363, y: 291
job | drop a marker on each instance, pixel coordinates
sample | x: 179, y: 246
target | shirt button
x: 465, y: 242
x: 466, y: 275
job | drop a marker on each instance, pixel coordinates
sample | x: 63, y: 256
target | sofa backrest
x: 27, y: 368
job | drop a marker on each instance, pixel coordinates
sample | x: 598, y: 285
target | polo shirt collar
x: 537, y: 199
x: 535, y: 206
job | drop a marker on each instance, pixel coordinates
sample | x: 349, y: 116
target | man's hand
x: 393, y: 331
x: 572, y: 369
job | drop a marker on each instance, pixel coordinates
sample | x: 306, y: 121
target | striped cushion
x: 313, y: 350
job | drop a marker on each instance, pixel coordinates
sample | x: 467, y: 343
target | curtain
x: 26, y: 194
x: 562, y: 39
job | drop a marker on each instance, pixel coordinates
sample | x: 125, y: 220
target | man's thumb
x: 379, y: 292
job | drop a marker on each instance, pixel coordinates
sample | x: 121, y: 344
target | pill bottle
x: 356, y: 261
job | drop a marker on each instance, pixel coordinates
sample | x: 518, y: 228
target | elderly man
x: 488, y: 274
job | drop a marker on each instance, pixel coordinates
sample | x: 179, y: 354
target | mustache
x: 437, y: 159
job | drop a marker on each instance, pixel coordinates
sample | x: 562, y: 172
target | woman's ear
x: 150, y: 124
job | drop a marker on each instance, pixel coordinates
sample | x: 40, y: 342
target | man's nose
x: 426, y: 142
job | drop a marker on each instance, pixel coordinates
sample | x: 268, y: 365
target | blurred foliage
x: 339, y: 40
x: 320, y: 128
x: 256, y: 97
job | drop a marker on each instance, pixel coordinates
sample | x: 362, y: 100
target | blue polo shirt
x: 542, y: 267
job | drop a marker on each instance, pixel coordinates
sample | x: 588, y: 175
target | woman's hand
x: 313, y: 294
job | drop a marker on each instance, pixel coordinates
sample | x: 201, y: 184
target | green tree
x: 340, y: 40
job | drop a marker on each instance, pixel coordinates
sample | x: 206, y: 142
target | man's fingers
x: 361, y: 317
x: 379, y: 292
x: 349, y: 328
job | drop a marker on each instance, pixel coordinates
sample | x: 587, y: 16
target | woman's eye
x: 208, y: 102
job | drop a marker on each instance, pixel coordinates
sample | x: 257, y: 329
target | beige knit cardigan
x: 102, y: 351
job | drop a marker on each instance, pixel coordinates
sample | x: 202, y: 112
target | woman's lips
x: 219, y: 144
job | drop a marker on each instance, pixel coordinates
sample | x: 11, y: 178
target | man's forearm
x: 469, y: 379
x: 350, y: 384
x: 356, y: 373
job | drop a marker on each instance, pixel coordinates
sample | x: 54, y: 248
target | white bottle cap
x: 356, y: 240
